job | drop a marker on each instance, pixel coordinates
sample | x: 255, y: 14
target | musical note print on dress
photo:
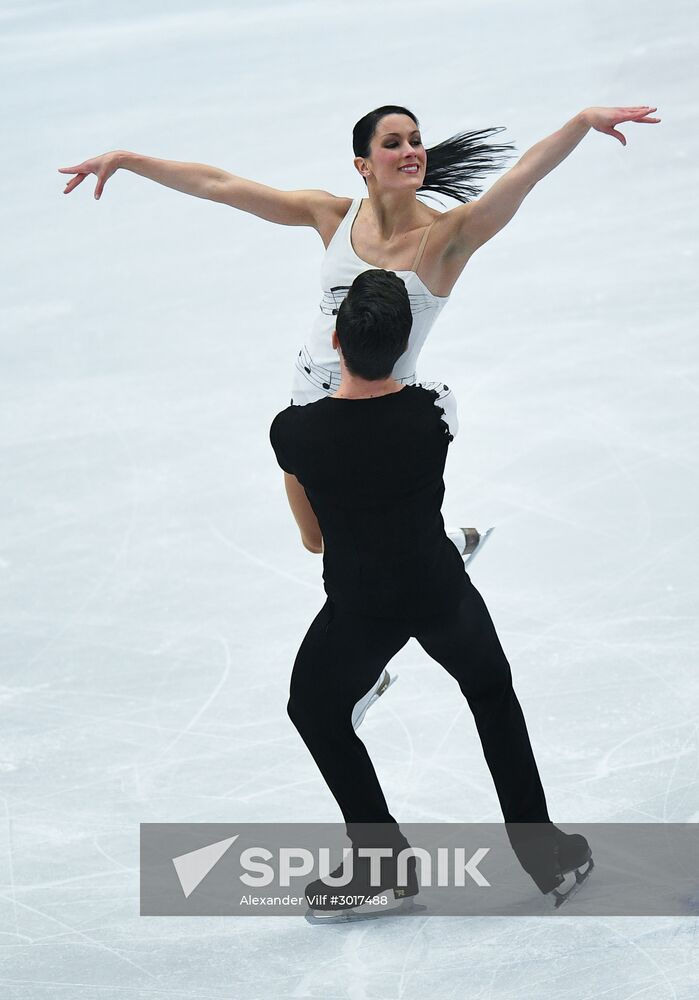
x: 320, y: 377
x: 326, y: 380
x: 334, y: 297
x: 443, y: 394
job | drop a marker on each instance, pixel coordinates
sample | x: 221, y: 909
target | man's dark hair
x: 374, y: 323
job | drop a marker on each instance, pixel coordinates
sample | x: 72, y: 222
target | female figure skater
x: 391, y: 230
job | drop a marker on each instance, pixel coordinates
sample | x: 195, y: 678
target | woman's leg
x: 465, y: 643
x: 341, y: 656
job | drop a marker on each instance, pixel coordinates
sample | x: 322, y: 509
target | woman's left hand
x: 604, y: 119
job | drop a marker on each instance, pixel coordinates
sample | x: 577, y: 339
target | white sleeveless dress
x: 317, y: 369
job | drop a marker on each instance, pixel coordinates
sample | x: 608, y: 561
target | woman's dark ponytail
x: 455, y: 166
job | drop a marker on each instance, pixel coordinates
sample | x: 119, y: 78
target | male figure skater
x: 371, y: 461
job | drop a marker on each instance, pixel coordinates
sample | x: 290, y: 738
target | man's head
x: 373, y: 324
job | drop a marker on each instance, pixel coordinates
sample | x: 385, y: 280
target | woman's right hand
x: 103, y: 166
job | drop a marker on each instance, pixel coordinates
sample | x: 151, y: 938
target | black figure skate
x: 558, y: 862
x: 359, y: 899
x: 575, y: 863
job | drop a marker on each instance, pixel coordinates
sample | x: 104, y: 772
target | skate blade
x: 386, y: 682
x: 481, y: 542
x: 405, y: 908
x: 575, y: 881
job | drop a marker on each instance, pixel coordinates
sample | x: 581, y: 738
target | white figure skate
x: 373, y: 694
x: 482, y: 539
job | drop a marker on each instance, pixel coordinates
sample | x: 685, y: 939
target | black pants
x: 343, y: 655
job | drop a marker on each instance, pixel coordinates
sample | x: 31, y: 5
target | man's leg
x: 341, y: 656
x: 466, y: 645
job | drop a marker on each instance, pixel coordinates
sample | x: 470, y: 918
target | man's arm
x: 304, y: 514
x: 279, y: 436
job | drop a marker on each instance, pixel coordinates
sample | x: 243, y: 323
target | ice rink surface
x: 154, y: 590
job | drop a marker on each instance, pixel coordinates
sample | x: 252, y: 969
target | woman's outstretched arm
x: 191, y: 178
x: 549, y: 152
x: 473, y: 224
x: 287, y: 208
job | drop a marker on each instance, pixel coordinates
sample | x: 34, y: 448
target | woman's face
x: 397, y: 145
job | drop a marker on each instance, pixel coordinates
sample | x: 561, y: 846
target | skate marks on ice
x: 258, y: 561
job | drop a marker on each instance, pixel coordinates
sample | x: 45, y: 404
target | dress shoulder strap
x: 421, y: 248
